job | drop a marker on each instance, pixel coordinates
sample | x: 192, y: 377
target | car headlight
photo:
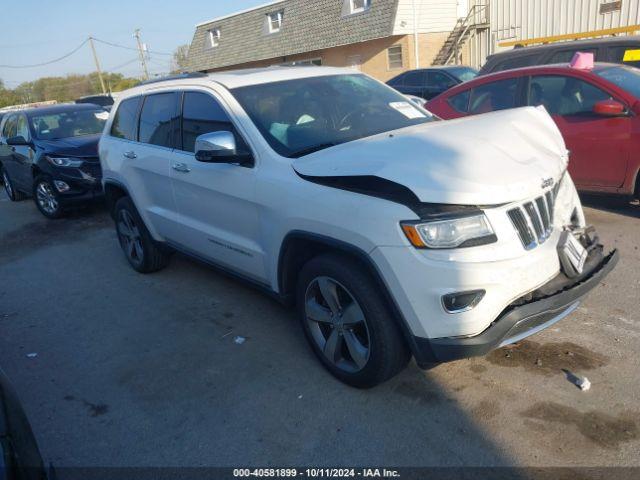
x: 64, y: 162
x: 468, y: 231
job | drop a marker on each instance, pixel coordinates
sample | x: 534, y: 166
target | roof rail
x: 177, y: 76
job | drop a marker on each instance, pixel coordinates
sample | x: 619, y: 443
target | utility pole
x: 143, y: 61
x: 415, y: 33
x: 95, y: 58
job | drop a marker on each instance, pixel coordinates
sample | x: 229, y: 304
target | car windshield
x: 301, y: 116
x: 70, y: 123
x: 463, y: 74
x: 627, y: 78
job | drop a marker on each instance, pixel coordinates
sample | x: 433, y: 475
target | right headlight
x: 64, y: 162
x: 467, y: 231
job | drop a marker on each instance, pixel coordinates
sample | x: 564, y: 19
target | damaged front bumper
x: 529, y: 315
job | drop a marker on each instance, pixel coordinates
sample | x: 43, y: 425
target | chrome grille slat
x: 533, y: 220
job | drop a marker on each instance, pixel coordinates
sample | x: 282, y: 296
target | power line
x: 50, y: 61
x: 117, y: 45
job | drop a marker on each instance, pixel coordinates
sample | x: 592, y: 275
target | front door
x: 599, y: 145
x: 216, y: 202
x: 23, y: 156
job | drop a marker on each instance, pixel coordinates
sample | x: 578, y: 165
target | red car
x: 597, y: 110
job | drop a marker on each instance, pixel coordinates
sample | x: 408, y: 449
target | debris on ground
x: 582, y: 383
x: 32, y: 355
x: 239, y: 340
x: 227, y: 334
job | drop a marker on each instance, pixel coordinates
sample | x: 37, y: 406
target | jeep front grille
x: 534, y: 220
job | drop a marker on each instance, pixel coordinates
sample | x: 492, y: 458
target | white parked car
x: 395, y: 234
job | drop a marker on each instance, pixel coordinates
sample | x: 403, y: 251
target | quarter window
x: 565, y: 96
x: 158, y: 119
x: 493, y: 96
x: 213, y: 37
x: 125, y: 121
x: 395, y: 57
x: 275, y: 21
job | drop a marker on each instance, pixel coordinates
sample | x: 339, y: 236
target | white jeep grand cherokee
x: 394, y: 233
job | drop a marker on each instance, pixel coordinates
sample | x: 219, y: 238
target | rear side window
x: 460, y: 102
x: 125, y: 120
x: 565, y: 96
x: 440, y: 80
x: 201, y: 113
x: 626, y: 54
x: 159, y: 120
x: 494, y: 96
x: 565, y: 56
x: 414, y: 79
x: 517, y: 62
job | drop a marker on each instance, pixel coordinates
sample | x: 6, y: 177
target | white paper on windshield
x: 406, y: 109
x: 102, y: 115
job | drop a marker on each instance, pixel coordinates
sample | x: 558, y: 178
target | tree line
x: 63, y: 89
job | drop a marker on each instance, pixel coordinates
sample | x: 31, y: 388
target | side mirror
x: 220, y: 147
x: 609, y: 108
x: 19, y: 140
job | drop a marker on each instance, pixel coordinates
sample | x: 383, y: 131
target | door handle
x: 181, y: 167
x: 130, y: 155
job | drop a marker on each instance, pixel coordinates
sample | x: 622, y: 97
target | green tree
x: 180, y: 60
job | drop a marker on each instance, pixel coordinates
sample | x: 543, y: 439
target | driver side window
x: 22, y: 128
x: 9, y: 127
x: 565, y: 96
x: 201, y: 113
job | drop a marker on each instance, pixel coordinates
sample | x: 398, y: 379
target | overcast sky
x: 36, y: 31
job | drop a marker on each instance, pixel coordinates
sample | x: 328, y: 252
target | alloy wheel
x: 337, y: 324
x: 46, y: 198
x: 130, y: 238
x: 7, y: 184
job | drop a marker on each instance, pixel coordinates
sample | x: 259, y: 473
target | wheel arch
x: 114, y: 191
x: 298, y: 247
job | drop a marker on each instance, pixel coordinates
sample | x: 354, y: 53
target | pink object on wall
x: 582, y: 60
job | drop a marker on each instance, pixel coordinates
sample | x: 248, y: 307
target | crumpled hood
x: 82, y: 146
x: 487, y: 159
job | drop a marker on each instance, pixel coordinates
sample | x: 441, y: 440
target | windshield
x: 301, y: 116
x: 72, y: 123
x: 464, y: 74
x: 627, y: 78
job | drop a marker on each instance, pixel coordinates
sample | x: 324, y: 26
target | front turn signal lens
x: 412, y: 235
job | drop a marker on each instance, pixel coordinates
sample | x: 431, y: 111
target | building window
x: 358, y: 6
x: 275, y: 21
x: 214, y: 37
x: 395, y: 57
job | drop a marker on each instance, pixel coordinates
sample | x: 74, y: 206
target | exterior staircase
x: 465, y: 28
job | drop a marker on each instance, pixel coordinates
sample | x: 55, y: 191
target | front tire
x: 141, y: 251
x: 13, y: 194
x: 47, y: 198
x: 348, y: 323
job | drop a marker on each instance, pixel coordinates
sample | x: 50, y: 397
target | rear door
x: 144, y: 132
x: 216, y: 202
x: 599, y: 145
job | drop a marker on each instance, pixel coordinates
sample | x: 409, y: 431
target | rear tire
x: 142, y: 252
x: 13, y: 194
x: 352, y: 331
x: 46, y: 197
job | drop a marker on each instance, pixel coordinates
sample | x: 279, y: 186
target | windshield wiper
x: 309, y: 150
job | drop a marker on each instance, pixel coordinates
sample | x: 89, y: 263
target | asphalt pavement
x: 135, y: 370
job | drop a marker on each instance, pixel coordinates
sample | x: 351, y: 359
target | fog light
x: 61, y: 186
x: 462, y: 301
